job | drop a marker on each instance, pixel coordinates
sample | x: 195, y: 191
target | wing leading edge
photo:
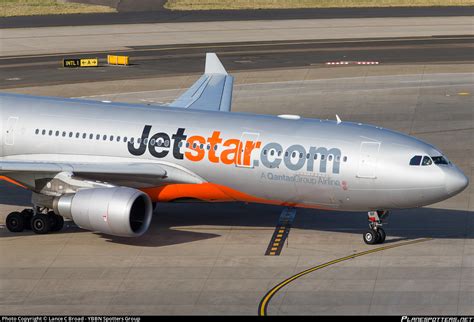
x: 212, y: 92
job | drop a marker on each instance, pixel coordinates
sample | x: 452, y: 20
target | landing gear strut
x: 38, y: 219
x: 376, y: 234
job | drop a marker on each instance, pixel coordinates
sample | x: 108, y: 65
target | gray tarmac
x: 147, y: 16
x: 209, y: 258
x: 172, y: 60
x: 83, y: 39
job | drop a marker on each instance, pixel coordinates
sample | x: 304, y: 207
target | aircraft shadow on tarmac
x: 174, y: 223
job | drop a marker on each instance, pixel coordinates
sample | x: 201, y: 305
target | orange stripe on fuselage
x: 211, y: 192
x: 12, y: 181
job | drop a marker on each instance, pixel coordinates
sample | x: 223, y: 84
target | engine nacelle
x: 118, y: 211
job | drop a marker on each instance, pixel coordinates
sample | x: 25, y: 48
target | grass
x: 283, y: 4
x: 10, y: 8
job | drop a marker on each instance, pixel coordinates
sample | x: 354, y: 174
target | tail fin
x: 212, y: 92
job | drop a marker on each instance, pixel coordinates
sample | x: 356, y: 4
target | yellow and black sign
x: 81, y: 62
x: 89, y: 62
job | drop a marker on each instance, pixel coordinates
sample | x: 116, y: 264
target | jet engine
x: 117, y: 211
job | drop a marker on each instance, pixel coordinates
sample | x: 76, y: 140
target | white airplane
x: 103, y: 165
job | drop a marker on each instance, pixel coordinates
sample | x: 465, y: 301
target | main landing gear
x: 376, y: 234
x: 39, y: 220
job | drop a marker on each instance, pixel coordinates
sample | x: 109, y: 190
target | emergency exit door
x: 369, y: 152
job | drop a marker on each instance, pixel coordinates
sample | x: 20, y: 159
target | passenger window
x: 345, y: 159
x: 330, y: 157
x: 50, y: 132
x: 272, y: 152
x: 322, y: 156
x: 97, y: 137
x: 415, y: 160
x: 37, y: 131
x: 70, y: 134
x: 57, y: 133
x: 84, y: 135
x: 77, y: 135
x: 139, y: 140
x: 118, y: 138
x: 43, y: 132
x: 293, y: 154
x: 315, y: 156
x: 111, y: 138
x: 124, y: 139
x: 91, y: 136
x: 426, y: 161
x: 167, y: 143
x: 104, y: 137
x: 152, y: 142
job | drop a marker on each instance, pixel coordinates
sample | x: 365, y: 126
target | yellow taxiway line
x: 262, y: 308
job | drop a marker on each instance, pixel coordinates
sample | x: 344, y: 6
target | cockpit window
x: 415, y: 160
x: 426, y: 160
x: 439, y: 160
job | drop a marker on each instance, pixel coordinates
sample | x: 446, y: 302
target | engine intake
x: 118, y: 211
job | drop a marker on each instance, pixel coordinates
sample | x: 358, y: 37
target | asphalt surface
x: 166, y: 60
x: 229, y: 15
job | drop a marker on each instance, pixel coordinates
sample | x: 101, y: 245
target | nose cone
x: 456, y: 181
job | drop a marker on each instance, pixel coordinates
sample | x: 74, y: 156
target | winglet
x: 214, y: 65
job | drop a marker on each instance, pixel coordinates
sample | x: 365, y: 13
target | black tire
x: 15, y: 222
x: 27, y: 215
x: 58, y: 222
x: 382, y: 235
x: 41, y: 224
x: 370, y: 237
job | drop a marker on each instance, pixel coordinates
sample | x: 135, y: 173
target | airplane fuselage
x: 234, y: 156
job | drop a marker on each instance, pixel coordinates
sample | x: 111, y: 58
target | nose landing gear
x: 376, y: 234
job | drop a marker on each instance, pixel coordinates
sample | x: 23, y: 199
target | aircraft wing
x: 84, y: 168
x: 212, y: 92
x: 128, y: 174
